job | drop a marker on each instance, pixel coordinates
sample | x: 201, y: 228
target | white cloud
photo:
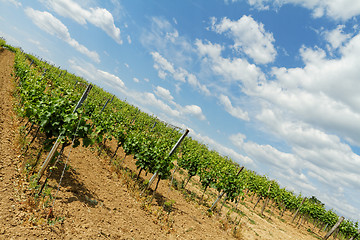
x: 129, y: 39
x: 323, y: 93
x: 249, y: 37
x: 193, y: 81
x: 150, y: 99
x: 99, y: 77
x: 99, y: 17
x: 336, y: 37
x: 338, y: 10
x: 233, y: 111
x: 169, y: 112
x: 114, y: 80
x: 195, y: 111
x: 14, y: 2
x: 164, y: 38
x: 136, y: 80
x: 265, y: 153
x: 164, y: 93
x: 232, y: 70
x: 53, y: 26
x: 209, y: 49
x: 164, y: 67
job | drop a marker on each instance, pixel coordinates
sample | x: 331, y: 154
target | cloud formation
x: 99, y: 17
x: 338, y: 10
x: 165, y: 68
x: 233, y: 111
x: 53, y: 26
x: 249, y: 37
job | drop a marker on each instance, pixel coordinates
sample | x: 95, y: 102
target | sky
x: 274, y: 85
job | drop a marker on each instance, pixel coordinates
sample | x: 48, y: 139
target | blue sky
x: 272, y: 84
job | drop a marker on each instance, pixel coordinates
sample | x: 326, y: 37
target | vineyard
x: 160, y: 166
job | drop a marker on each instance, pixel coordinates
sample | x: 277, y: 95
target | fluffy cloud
x: 249, y: 37
x: 336, y: 37
x: 149, y: 99
x: 265, y: 153
x: 111, y: 78
x: 338, y: 10
x: 172, y: 113
x: 322, y: 93
x: 164, y: 67
x: 164, y: 38
x: 136, y: 80
x: 195, y: 111
x: 164, y: 93
x: 99, y: 17
x: 53, y: 26
x: 233, y: 111
x: 237, y: 69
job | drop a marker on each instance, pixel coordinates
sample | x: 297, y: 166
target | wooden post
x: 297, y: 211
x: 257, y: 202
x: 282, y: 213
x: 332, y: 230
x: 315, y: 223
x: 266, y: 201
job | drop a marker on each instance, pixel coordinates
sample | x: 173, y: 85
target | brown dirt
x: 96, y: 201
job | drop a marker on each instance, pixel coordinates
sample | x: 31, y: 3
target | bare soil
x: 100, y: 199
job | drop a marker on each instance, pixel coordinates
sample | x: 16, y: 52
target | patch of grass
x: 52, y: 222
x: 251, y: 221
x: 168, y: 206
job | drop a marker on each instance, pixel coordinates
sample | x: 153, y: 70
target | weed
x: 168, y: 206
x: 252, y: 221
x: 56, y: 220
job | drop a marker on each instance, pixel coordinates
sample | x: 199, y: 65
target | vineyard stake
x: 57, y: 142
x: 222, y: 194
x: 332, y: 230
x: 297, y: 211
x: 170, y: 154
x: 266, y: 200
x: 104, y: 106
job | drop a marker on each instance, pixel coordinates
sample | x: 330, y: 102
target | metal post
x: 57, y: 142
x: 170, y: 154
